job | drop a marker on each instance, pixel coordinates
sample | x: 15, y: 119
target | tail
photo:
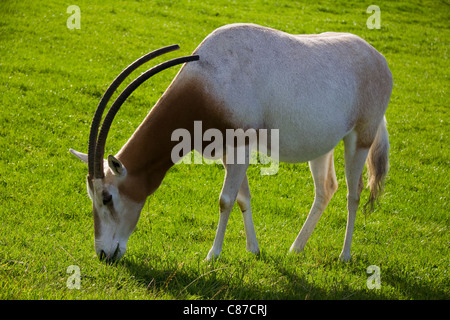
x: 378, y: 164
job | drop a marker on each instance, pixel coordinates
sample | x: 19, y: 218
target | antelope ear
x: 116, y: 166
x: 82, y: 156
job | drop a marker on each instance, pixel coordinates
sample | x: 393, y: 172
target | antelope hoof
x: 254, y: 250
x: 345, y: 257
x: 212, y: 255
x: 295, y: 249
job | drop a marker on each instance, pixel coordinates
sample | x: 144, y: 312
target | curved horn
x: 100, y: 147
x: 107, y: 96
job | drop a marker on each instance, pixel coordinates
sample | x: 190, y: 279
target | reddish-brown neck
x: 147, y: 154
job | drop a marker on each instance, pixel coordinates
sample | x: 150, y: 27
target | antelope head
x: 115, y: 212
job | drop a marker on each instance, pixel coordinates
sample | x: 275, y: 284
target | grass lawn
x: 51, y: 79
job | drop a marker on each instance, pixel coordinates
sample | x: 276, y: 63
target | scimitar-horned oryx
x: 316, y: 89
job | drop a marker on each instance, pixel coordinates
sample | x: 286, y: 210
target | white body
x: 316, y: 89
x: 309, y: 87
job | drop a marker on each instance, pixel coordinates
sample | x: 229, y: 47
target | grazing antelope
x: 316, y: 89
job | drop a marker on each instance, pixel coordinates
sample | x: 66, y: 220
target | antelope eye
x: 107, y: 199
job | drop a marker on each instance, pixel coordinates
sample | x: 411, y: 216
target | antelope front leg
x: 234, y: 177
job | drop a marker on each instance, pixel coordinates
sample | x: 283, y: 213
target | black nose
x: 102, y: 255
x: 109, y: 258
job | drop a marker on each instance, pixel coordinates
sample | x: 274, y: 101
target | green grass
x: 51, y: 79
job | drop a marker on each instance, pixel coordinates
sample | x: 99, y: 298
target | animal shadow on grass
x: 226, y: 279
x: 166, y: 279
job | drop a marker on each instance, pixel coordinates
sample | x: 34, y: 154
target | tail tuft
x: 378, y: 164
